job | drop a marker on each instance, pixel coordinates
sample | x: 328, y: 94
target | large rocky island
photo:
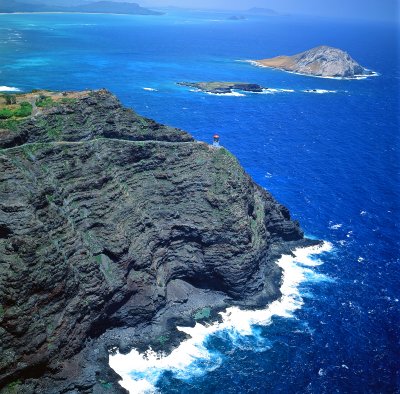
x: 322, y: 61
x: 113, y: 230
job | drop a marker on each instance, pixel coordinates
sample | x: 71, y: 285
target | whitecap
x: 335, y: 226
x: 141, y: 371
x: 273, y: 91
x: 349, y: 234
x: 150, y: 89
x: 9, y: 89
x: 230, y: 94
x: 319, y: 91
x: 355, y: 77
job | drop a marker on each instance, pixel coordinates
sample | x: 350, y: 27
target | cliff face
x: 322, y: 61
x: 109, y: 221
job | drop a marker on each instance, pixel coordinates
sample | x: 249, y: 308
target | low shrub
x: 6, y: 113
x: 25, y: 109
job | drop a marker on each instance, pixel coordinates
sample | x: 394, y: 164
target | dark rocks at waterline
x: 223, y: 87
x: 113, y: 229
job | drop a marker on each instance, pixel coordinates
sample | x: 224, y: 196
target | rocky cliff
x: 113, y: 229
x: 323, y: 61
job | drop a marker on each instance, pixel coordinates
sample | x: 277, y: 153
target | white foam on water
x: 9, y: 89
x: 355, y: 77
x: 319, y: 91
x: 140, y: 371
x: 150, y: 89
x: 231, y: 94
x: 364, y: 76
x: 274, y: 90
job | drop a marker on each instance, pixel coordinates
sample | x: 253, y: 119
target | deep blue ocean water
x: 332, y: 158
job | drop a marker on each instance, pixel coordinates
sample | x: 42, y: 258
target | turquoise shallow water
x: 332, y: 158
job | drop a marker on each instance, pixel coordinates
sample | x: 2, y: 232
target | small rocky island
x: 323, y: 61
x: 223, y: 87
x: 115, y: 229
x: 237, y: 18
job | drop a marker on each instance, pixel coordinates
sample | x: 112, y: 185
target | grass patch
x: 6, y: 113
x: 68, y: 100
x: 55, y: 133
x: 9, y: 124
x: 24, y: 110
x: 45, y: 102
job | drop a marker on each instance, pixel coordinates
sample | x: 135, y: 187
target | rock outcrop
x: 223, y: 87
x: 323, y: 61
x: 113, y: 228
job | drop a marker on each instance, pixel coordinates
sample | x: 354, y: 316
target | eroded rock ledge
x: 113, y: 229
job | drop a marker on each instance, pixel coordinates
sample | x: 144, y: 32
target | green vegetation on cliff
x: 111, y: 222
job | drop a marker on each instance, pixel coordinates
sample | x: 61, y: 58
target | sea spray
x: 141, y: 371
x: 9, y: 89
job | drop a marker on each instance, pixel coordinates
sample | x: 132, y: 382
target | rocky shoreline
x: 322, y: 61
x: 223, y: 87
x: 115, y: 229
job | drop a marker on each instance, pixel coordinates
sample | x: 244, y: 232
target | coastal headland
x: 114, y: 229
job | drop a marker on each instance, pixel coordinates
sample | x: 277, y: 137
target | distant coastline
x: 98, y: 7
x: 73, y: 12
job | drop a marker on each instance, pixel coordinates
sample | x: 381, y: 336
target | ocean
x: 331, y: 156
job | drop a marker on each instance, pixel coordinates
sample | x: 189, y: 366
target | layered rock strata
x: 113, y: 229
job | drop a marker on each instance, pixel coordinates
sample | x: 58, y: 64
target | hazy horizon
x: 356, y: 9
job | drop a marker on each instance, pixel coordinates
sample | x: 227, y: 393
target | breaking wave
x: 141, y: 371
x: 9, y: 89
x: 319, y: 91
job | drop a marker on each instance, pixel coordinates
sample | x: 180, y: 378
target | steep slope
x: 110, y: 222
x: 321, y: 61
